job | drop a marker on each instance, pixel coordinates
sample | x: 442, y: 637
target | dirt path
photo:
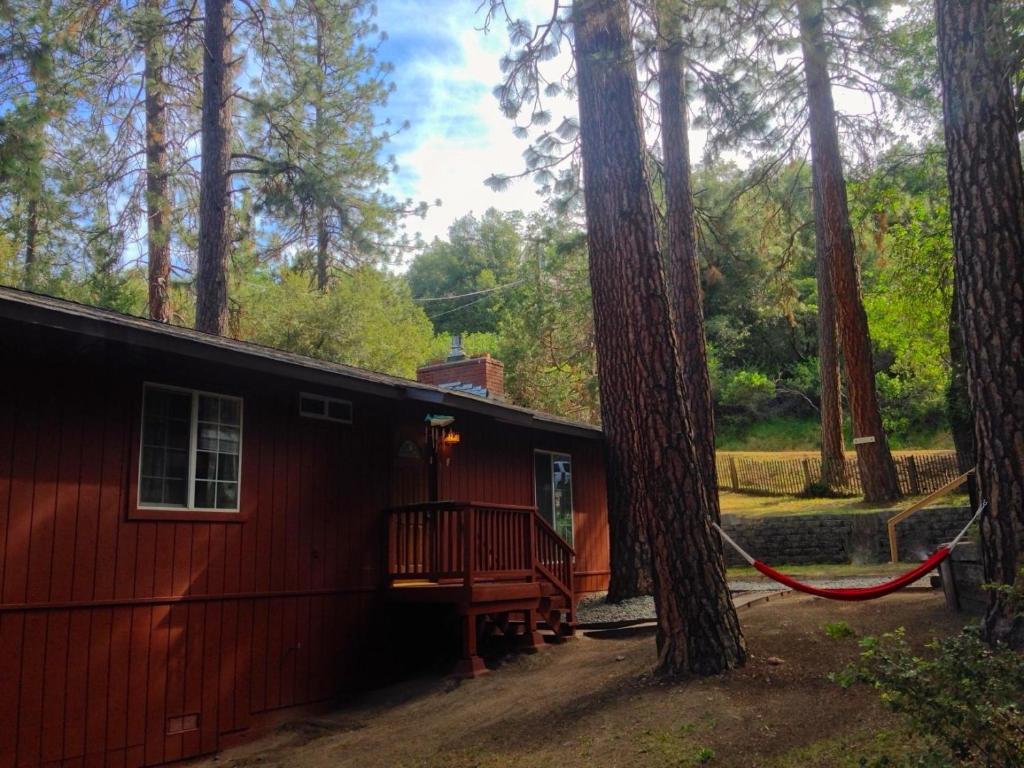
x: 592, y: 702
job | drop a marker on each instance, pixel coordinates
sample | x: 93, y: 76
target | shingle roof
x: 69, y: 316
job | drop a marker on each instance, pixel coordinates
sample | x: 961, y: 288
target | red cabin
x: 200, y: 536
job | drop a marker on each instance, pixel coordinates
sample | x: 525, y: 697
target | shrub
x: 963, y: 699
x: 746, y: 389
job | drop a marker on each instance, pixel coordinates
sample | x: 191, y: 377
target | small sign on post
x: 864, y: 440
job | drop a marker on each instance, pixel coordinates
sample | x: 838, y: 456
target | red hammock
x: 857, y: 593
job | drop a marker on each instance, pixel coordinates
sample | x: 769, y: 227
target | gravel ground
x: 593, y: 609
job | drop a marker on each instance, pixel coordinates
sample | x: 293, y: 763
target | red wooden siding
x: 496, y: 464
x: 129, y: 642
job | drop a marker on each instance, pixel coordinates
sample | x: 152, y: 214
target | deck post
x: 470, y: 665
x: 468, y: 549
x: 533, y: 640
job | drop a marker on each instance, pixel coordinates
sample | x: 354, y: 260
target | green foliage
x: 704, y: 755
x: 314, y: 146
x: 367, y: 319
x: 546, y: 327
x: 908, y: 297
x: 479, y: 256
x: 526, y: 301
x: 963, y: 699
x: 748, y: 390
x: 839, y: 630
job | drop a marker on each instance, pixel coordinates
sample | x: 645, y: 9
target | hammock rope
x: 856, y: 593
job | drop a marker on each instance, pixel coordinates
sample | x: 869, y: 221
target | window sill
x: 186, y: 515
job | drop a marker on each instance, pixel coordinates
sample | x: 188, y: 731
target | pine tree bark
x: 158, y: 201
x: 31, y: 236
x: 958, y: 401
x: 653, y: 467
x: 682, y: 267
x: 986, y: 188
x: 214, y: 182
x: 833, y: 454
x: 322, y: 234
x: 874, y: 460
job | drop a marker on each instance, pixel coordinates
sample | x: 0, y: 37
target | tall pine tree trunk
x: 158, y: 201
x: 833, y: 455
x: 986, y: 189
x: 653, y: 467
x: 215, y: 183
x: 958, y: 400
x: 322, y: 243
x: 322, y: 234
x: 31, y: 237
x: 877, y: 469
x: 681, y: 242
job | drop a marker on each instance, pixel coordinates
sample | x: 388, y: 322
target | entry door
x: 552, y: 482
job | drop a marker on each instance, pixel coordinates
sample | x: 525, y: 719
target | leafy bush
x: 964, y: 699
x: 746, y: 389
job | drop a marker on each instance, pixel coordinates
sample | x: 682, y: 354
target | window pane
x: 164, y: 458
x: 561, y: 483
x: 312, y: 406
x: 177, y: 463
x: 152, y: 462
x: 227, y: 495
x: 151, y: 490
x: 542, y: 486
x: 227, y: 467
x: 209, y: 408
x: 230, y: 412
x: 339, y: 411
x: 206, y: 465
x: 229, y: 437
x: 174, y: 492
x: 178, y: 434
x: 207, y: 437
x: 205, y: 494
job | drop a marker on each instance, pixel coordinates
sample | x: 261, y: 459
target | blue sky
x: 445, y: 71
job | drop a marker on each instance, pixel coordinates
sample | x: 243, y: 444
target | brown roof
x: 69, y: 316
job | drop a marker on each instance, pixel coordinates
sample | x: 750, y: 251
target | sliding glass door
x: 552, y: 477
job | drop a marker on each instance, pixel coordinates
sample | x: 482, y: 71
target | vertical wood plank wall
x: 127, y: 643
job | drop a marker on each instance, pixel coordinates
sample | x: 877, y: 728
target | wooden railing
x: 472, y: 542
x: 892, y: 522
x: 554, y: 557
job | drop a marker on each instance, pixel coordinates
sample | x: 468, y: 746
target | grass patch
x: 788, y: 434
x: 772, y: 434
x: 822, y: 570
x: 766, y: 506
x: 849, y: 750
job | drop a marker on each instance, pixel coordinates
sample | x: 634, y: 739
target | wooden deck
x: 493, y: 562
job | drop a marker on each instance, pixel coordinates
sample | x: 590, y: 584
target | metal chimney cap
x: 457, y: 353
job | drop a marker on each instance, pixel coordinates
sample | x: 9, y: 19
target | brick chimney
x: 481, y: 375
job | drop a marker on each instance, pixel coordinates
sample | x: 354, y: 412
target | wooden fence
x: 918, y: 473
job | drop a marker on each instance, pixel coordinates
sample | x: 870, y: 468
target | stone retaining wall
x: 841, y: 538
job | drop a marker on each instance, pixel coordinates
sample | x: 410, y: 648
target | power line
x: 472, y: 293
x: 456, y: 309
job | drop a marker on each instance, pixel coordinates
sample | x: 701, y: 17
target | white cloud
x: 458, y: 135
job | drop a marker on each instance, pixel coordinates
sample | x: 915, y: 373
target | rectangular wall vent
x: 326, y: 408
x: 182, y: 724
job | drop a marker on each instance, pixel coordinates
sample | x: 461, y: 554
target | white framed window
x: 552, y: 490
x: 327, y: 408
x: 190, y: 452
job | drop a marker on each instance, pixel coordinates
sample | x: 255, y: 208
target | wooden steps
x: 503, y: 567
